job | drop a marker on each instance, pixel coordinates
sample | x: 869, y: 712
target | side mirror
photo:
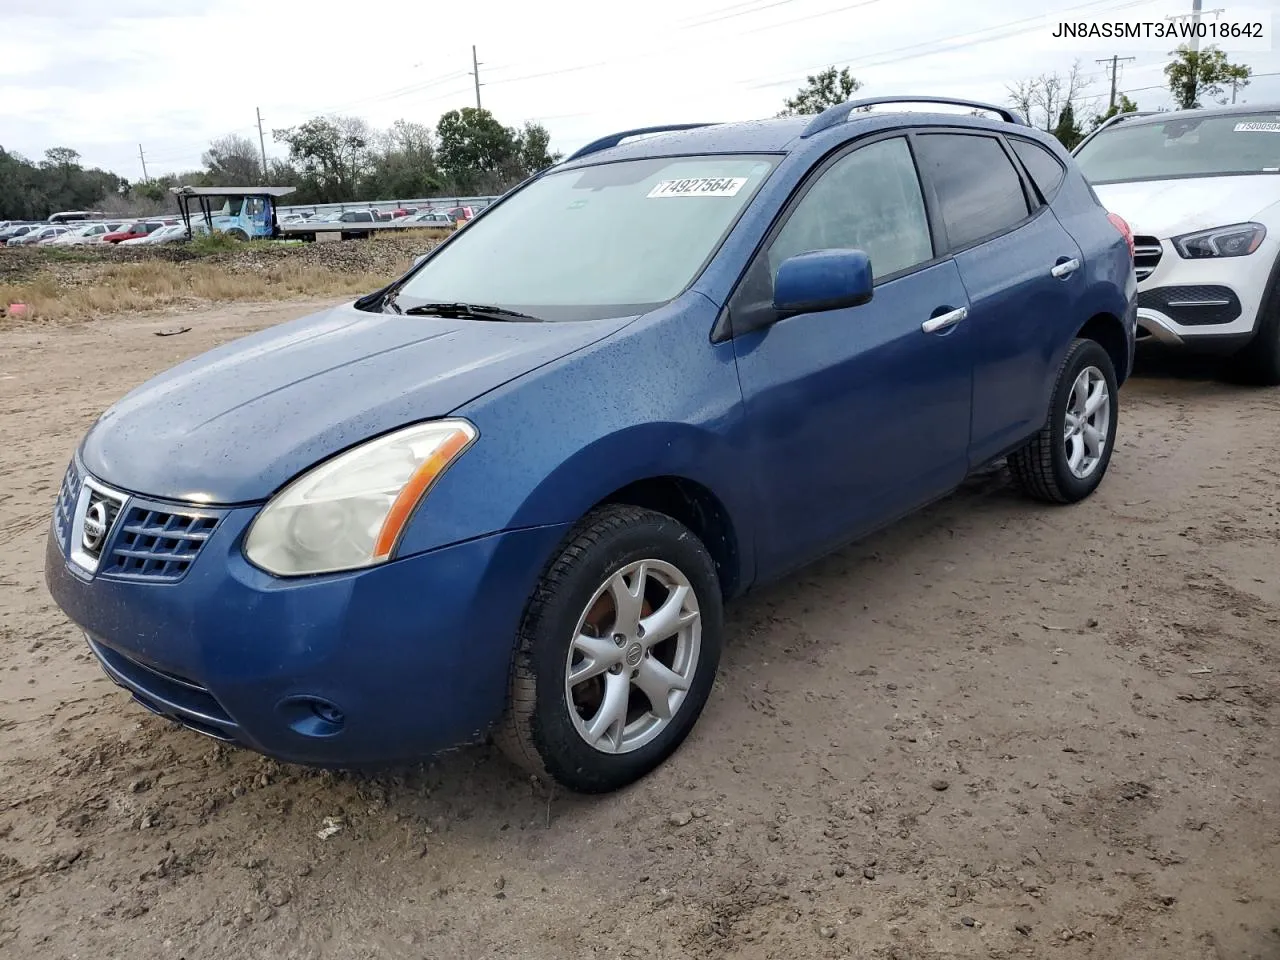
x: 822, y: 280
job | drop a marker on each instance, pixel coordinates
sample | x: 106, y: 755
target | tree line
x: 339, y: 159
x: 1054, y: 102
x: 32, y: 190
x: 330, y: 159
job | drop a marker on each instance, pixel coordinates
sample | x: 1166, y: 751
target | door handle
x: 1065, y: 269
x: 944, y: 322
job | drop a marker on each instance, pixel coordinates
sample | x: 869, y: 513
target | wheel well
x: 1108, y: 332
x: 698, y: 509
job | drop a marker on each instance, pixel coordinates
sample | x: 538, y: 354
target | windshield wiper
x: 468, y: 311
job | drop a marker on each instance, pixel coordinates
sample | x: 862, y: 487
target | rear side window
x: 978, y: 188
x: 1045, y: 169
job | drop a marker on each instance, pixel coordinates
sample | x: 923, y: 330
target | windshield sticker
x: 698, y: 187
x: 1258, y: 126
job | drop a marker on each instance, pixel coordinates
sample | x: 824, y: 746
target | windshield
x: 599, y: 241
x: 1209, y: 146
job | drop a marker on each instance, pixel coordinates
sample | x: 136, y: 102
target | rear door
x: 1021, y: 270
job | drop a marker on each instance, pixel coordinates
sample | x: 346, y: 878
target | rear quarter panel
x: 1110, y: 287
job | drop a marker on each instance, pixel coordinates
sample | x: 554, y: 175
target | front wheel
x: 617, y: 652
x: 1067, y: 459
x: 1259, y: 361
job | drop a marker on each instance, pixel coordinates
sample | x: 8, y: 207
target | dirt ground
x: 995, y: 730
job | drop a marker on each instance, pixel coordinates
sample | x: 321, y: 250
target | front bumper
x: 391, y: 663
x: 1187, y: 302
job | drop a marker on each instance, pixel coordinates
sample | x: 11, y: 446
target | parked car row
x: 405, y: 215
x: 132, y: 232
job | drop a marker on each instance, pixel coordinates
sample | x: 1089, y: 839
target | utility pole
x: 1233, y: 91
x: 1114, y: 61
x: 1195, y: 19
x: 262, y: 142
x: 475, y: 72
x: 145, y: 178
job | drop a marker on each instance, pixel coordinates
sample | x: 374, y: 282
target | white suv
x: 1201, y: 191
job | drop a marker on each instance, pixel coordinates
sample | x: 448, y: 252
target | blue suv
x: 511, y: 492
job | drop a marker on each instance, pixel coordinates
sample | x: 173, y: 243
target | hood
x: 236, y: 423
x: 1170, y: 208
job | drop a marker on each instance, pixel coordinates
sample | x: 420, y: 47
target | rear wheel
x: 617, y: 652
x: 235, y: 233
x: 1067, y: 459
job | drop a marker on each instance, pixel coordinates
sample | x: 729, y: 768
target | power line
x: 811, y: 16
x: 740, y: 13
x: 694, y: 43
x: 929, y: 47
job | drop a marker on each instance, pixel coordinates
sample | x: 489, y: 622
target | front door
x: 855, y: 416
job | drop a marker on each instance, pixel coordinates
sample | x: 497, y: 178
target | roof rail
x: 840, y: 113
x: 604, y: 143
x: 1112, y: 121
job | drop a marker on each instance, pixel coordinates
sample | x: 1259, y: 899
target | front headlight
x: 349, y: 512
x: 1237, y: 240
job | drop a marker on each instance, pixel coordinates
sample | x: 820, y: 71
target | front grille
x: 1147, y: 252
x: 158, y: 544
x: 1193, y: 306
x: 167, y: 694
x: 65, y: 507
x: 111, y: 511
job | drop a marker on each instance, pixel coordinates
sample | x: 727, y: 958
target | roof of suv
x: 784, y: 134
x: 1235, y: 109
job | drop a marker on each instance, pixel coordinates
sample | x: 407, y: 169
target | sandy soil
x: 995, y: 730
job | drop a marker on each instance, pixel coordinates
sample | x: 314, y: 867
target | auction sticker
x: 1257, y: 126
x: 698, y: 187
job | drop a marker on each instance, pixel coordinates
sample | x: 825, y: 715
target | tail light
x: 1120, y: 224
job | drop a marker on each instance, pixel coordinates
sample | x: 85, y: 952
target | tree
x: 232, y: 161
x: 1068, y: 130
x: 1197, y: 74
x: 534, y: 142
x: 1123, y: 105
x: 404, y: 163
x: 476, y: 152
x: 332, y: 152
x: 826, y: 89
x: 1042, y: 99
x: 64, y: 158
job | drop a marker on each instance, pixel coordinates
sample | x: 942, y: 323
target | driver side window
x: 870, y: 200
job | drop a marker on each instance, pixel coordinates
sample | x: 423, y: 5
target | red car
x: 133, y: 230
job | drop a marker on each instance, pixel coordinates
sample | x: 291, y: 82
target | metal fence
x: 386, y: 206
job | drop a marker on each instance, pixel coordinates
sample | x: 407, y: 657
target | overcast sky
x: 102, y: 76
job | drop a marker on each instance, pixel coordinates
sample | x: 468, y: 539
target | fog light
x: 328, y: 712
x: 313, y: 716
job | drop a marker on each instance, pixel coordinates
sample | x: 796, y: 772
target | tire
x: 1043, y: 468
x: 237, y: 234
x: 1258, y: 362
x: 549, y: 721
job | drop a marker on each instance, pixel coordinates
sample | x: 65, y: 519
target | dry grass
x: 56, y: 286
x: 131, y: 287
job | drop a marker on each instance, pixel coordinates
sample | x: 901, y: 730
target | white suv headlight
x: 1237, y: 240
x: 349, y: 511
